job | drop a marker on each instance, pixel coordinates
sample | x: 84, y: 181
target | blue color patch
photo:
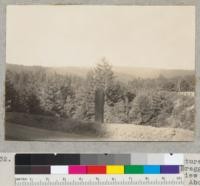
x: 151, y: 169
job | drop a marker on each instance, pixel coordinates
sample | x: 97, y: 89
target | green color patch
x: 134, y: 169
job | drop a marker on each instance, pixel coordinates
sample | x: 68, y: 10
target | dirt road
x: 113, y: 132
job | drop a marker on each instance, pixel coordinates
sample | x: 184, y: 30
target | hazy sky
x: 144, y: 36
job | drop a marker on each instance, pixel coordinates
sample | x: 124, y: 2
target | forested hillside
x: 146, y: 101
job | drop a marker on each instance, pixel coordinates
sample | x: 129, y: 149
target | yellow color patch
x: 114, y: 169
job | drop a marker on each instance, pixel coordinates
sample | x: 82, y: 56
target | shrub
x: 141, y: 111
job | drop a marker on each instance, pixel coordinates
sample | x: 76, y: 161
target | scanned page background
x: 97, y: 146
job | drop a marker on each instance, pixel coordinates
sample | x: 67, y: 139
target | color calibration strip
x: 98, y: 163
x: 104, y: 169
x: 100, y: 159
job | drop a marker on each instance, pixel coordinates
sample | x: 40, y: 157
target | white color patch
x: 174, y: 159
x: 59, y: 170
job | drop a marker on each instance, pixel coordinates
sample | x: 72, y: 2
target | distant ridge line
x: 122, y: 73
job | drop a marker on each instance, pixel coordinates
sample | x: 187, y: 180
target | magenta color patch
x: 77, y: 169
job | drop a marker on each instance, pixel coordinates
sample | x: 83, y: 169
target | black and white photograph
x: 100, y: 73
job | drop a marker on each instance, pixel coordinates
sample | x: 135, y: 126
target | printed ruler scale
x: 101, y: 180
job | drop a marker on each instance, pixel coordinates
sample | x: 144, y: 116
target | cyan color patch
x: 151, y: 169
